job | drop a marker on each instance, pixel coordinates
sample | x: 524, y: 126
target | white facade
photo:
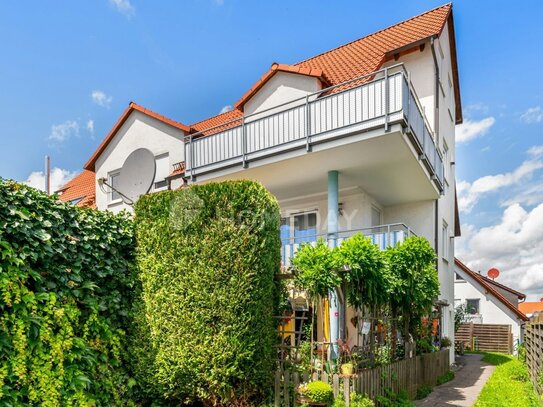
x: 490, y: 309
x: 138, y: 131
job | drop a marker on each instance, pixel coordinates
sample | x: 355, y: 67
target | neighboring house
x: 357, y: 139
x: 487, y: 301
x: 531, y: 309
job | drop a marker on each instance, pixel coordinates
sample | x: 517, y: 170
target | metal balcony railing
x: 371, y: 101
x: 383, y: 236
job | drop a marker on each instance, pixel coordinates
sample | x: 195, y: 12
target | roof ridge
x: 376, y: 32
x: 215, y: 116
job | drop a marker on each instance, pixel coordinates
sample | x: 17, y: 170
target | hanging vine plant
x: 316, y: 270
x: 367, y: 276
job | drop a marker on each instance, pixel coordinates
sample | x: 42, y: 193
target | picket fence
x: 407, y: 375
x: 534, y: 351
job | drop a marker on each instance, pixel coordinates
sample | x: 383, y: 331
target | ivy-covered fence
x: 66, y: 290
x: 207, y: 257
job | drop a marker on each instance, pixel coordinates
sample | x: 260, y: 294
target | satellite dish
x: 493, y: 273
x: 137, y: 175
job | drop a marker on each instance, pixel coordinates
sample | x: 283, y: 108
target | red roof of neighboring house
x: 131, y: 107
x: 82, y: 187
x: 361, y: 57
x: 531, y: 307
x: 178, y: 169
x: 490, y: 289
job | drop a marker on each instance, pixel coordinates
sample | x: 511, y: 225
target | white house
x: 488, y: 301
x: 356, y: 139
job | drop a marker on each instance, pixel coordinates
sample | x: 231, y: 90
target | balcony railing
x: 383, y: 236
x: 380, y: 99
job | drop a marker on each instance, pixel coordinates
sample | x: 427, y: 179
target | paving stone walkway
x: 464, y: 389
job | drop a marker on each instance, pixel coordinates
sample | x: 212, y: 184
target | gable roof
x: 82, y: 187
x: 128, y: 111
x: 275, y: 68
x: 519, y: 295
x: 490, y: 289
x: 361, y: 57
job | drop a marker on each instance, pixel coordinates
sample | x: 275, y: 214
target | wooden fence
x: 486, y: 337
x: 533, y: 340
x: 407, y: 374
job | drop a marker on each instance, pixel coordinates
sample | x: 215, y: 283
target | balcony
x: 383, y: 236
x: 371, y: 102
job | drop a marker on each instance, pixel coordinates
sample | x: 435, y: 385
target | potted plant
x: 347, y: 365
x: 316, y: 394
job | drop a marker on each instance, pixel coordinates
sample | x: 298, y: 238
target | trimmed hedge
x: 66, y: 289
x: 207, y: 257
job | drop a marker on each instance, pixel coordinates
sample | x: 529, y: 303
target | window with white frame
x: 162, y: 171
x: 445, y: 241
x: 299, y: 228
x: 472, y: 306
x: 113, y: 181
x: 451, y: 98
x: 446, y: 161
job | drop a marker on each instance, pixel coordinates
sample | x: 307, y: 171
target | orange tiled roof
x: 131, y: 107
x: 83, y: 187
x: 491, y: 290
x: 178, y: 169
x: 359, y: 57
x: 531, y: 307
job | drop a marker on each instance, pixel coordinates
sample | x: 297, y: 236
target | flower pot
x: 347, y: 369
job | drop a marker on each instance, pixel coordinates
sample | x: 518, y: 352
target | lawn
x: 509, y: 385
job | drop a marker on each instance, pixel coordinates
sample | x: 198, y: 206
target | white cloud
x: 225, y: 109
x: 514, y: 245
x: 471, y: 129
x: 64, y: 131
x: 101, y: 99
x: 478, y: 107
x: 90, y: 126
x: 532, y: 115
x: 124, y: 7
x: 59, y: 177
x: 470, y: 193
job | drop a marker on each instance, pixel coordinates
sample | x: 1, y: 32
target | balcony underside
x: 384, y: 164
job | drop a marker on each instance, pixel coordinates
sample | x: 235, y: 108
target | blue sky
x: 68, y: 69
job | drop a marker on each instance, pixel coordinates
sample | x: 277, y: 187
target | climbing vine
x: 66, y: 287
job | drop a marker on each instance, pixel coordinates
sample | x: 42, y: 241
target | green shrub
x: 447, y: 377
x: 66, y: 294
x: 207, y: 257
x: 446, y: 342
x: 391, y: 399
x: 317, y: 392
x: 361, y: 400
x: 423, y: 392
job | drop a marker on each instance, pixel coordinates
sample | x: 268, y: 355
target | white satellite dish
x: 137, y: 175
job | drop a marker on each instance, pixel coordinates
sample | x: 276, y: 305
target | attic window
x: 75, y: 201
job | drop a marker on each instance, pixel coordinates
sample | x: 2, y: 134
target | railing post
x: 388, y: 235
x: 244, y: 142
x: 191, y: 158
x: 307, y: 124
x: 387, y: 91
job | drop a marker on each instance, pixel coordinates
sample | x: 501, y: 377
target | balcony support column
x: 333, y: 228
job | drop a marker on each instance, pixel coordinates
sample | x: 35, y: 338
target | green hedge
x: 207, y: 257
x: 66, y: 288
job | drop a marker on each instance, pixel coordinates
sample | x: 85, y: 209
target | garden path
x: 464, y: 389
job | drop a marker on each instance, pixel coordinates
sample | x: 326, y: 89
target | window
x: 299, y: 228
x: 113, y: 181
x: 162, y: 171
x: 458, y: 277
x: 472, y: 306
x: 451, y: 98
x: 446, y: 161
x: 445, y: 241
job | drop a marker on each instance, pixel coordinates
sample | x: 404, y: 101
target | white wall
x: 138, y: 131
x: 491, y: 310
x: 281, y: 88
